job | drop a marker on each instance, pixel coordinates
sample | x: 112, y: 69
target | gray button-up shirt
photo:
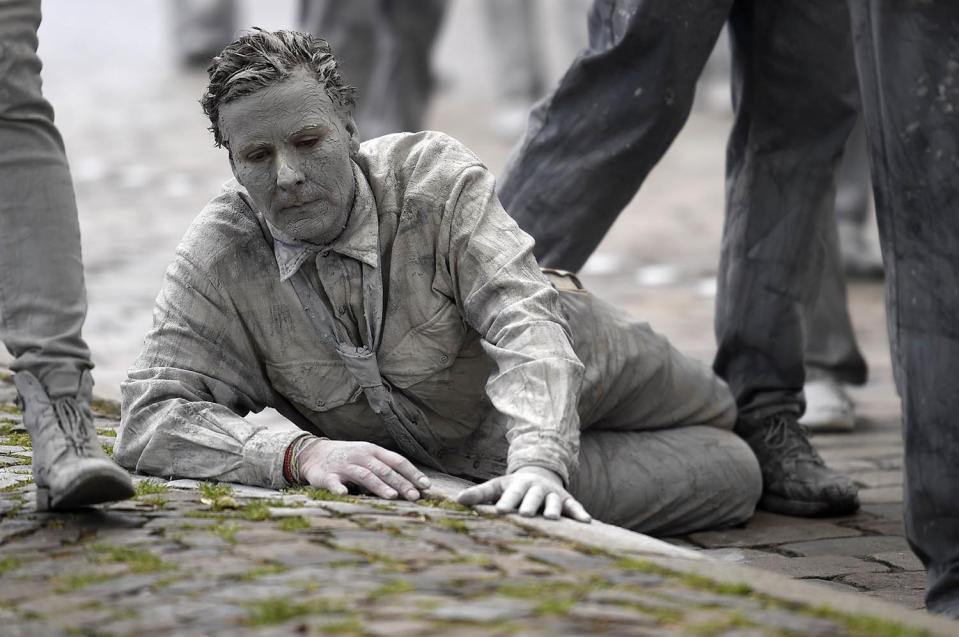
x: 472, y: 332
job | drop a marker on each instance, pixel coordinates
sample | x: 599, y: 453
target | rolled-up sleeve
x: 194, y: 380
x: 505, y: 297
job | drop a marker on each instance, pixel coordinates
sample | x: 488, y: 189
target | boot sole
x: 805, y: 509
x: 94, y: 488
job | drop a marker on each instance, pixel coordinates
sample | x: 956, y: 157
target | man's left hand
x: 527, y: 490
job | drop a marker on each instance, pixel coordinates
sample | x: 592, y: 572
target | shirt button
x: 320, y: 403
x: 444, y: 358
x: 341, y: 309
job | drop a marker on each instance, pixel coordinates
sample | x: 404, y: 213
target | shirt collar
x: 359, y: 240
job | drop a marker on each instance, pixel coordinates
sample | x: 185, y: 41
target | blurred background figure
x: 202, y: 28
x: 385, y: 49
x: 518, y: 32
x: 833, y: 359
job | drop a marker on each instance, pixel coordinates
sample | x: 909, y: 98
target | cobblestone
x: 361, y: 567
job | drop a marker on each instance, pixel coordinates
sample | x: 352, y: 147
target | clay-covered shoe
x: 70, y: 467
x: 796, y: 481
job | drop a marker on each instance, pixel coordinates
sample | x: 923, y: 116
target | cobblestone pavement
x: 188, y: 558
x: 144, y: 165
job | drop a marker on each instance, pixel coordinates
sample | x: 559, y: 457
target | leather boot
x: 70, y: 467
x: 796, y: 481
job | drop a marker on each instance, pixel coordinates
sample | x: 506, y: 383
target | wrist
x: 292, y: 456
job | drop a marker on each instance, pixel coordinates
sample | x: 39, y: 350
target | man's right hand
x: 333, y: 464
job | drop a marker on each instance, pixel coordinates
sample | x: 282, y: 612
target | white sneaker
x: 828, y: 406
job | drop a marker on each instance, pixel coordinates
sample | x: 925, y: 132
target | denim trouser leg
x: 908, y: 57
x: 42, y: 297
x: 831, y: 347
x: 590, y: 144
x: 795, y: 103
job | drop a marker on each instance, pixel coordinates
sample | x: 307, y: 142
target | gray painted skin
x: 473, y: 338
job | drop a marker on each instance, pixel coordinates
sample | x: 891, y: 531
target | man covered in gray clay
x: 380, y: 298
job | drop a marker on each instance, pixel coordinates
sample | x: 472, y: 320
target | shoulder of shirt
x: 424, y: 160
x: 226, y: 232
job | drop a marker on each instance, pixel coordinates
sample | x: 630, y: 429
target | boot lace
x: 70, y: 419
x: 787, y: 435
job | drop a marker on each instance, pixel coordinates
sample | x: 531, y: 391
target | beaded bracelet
x: 289, y: 475
x: 291, y: 471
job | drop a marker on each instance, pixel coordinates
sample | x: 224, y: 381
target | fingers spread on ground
x: 554, y: 506
x: 403, y: 466
x: 575, y: 510
x: 481, y: 493
x: 370, y: 481
x: 386, y: 473
x: 511, y: 497
x: 532, y: 501
x: 332, y: 484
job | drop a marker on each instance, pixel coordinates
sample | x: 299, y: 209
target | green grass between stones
x: 138, y: 561
x: 294, y: 523
x: 277, y: 610
x: 151, y: 487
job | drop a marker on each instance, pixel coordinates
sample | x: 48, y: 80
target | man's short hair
x: 262, y: 58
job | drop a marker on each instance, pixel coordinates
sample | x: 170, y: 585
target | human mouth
x: 297, y: 207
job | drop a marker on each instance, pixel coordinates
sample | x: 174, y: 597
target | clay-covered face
x: 290, y: 147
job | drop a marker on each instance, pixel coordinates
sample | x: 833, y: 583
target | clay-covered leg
x: 657, y: 451
x: 667, y: 481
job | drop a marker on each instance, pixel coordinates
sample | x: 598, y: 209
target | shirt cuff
x: 550, y: 457
x: 264, y: 452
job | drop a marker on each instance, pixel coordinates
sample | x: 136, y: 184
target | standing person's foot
x: 796, y: 481
x: 69, y: 466
x: 828, y: 406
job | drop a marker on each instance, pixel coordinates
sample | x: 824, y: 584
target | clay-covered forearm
x: 191, y: 385
x: 505, y: 297
x: 169, y: 430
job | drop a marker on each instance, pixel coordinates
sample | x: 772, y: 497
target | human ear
x: 354, y: 136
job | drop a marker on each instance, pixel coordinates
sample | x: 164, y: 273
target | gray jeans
x: 42, y: 295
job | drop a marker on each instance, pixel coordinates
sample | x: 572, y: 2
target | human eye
x: 257, y: 155
x: 307, y: 142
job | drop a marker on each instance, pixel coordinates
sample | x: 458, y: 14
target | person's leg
x: 401, y: 83
x: 657, y: 452
x: 908, y: 57
x: 590, y: 144
x: 794, y: 100
x: 832, y: 355
x: 515, y: 49
x: 351, y: 29
x: 518, y: 70
x: 667, y: 481
x: 42, y: 295
x: 201, y: 28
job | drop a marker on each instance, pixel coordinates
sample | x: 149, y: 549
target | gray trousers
x: 657, y: 452
x: 590, y: 145
x: 384, y: 50
x: 42, y: 295
x: 831, y: 347
x: 908, y: 58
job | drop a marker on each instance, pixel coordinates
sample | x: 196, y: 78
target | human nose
x: 288, y: 173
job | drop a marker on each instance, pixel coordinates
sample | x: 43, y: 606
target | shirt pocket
x: 317, y: 385
x: 427, y: 348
